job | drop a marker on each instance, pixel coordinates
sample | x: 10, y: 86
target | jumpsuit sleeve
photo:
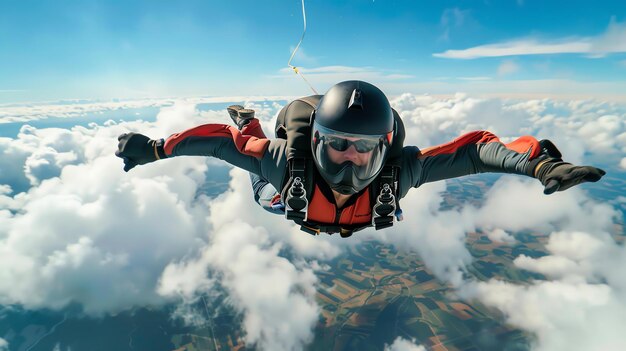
x: 474, y: 152
x: 261, y: 156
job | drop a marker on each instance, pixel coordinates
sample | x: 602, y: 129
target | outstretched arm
x: 219, y: 140
x: 257, y: 155
x: 481, y: 151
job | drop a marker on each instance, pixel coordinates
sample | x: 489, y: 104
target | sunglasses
x: 361, y: 145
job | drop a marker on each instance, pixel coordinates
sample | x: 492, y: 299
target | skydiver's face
x: 350, y: 154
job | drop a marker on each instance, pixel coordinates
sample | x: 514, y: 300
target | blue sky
x: 53, y: 50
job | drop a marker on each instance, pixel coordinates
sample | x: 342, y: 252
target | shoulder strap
x: 298, y: 127
x: 384, y: 190
x: 312, y: 100
x: 295, y: 121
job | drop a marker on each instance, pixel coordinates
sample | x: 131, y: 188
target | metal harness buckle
x: 384, y: 208
x: 296, y: 203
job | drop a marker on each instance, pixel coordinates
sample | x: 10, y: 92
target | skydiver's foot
x: 232, y: 111
x: 240, y: 115
x: 245, y: 116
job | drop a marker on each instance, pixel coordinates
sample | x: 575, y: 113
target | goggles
x: 343, y: 144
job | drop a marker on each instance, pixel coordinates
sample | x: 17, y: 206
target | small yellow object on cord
x: 295, y: 69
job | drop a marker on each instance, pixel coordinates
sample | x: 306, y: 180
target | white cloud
x: 508, y: 67
x: 622, y: 163
x: 35, y: 111
x: 568, y: 210
x: 578, y: 126
x: 549, y: 266
x: 439, y: 238
x: 564, y: 316
x: 517, y: 47
x: 80, y: 223
x: 434, y: 121
x: 401, y: 344
x: 4, y: 345
x: 501, y: 236
x: 79, y: 217
x: 523, y: 89
x: 581, y: 307
x: 584, y: 292
x: 613, y: 40
x: 25, y: 112
x: 275, y: 296
x: 79, y: 226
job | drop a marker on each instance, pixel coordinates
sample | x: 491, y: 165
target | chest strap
x: 299, y: 190
x: 315, y: 229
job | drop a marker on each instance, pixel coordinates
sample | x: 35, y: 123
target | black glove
x: 557, y: 175
x: 138, y: 149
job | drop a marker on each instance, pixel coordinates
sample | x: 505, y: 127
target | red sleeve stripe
x: 521, y: 145
x: 246, y: 144
x: 476, y: 137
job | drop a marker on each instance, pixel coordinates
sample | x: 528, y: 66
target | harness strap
x: 386, y: 204
x: 299, y: 188
x: 311, y: 100
x: 315, y: 229
x: 297, y: 197
x: 385, y: 201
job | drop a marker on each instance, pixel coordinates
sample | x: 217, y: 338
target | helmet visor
x: 337, y: 152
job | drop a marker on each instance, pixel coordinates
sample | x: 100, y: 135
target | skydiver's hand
x: 557, y: 175
x: 137, y: 149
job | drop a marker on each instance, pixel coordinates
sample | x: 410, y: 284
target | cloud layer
x: 75, y: 228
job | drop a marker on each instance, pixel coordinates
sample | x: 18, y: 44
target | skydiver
x: 353, y: 137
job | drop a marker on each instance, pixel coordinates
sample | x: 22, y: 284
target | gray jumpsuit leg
x: 264, y: 193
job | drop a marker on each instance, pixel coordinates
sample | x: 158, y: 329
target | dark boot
x: 240, y: 115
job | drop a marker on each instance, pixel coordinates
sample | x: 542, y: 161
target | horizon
x: 119, y: 50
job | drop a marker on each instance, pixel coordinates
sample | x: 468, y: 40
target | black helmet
x: 351, y: 114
